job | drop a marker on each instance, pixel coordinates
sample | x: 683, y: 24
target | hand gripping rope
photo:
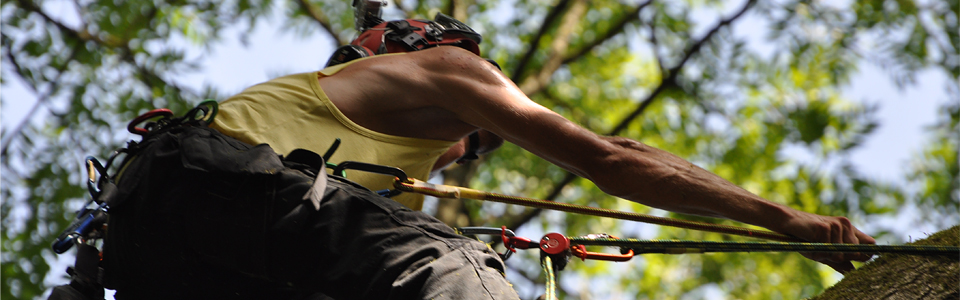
x: 556, y: 248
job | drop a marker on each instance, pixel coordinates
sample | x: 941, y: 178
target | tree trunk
x: 905, y: 276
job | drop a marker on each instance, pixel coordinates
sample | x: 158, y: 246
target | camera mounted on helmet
x: 367, y: 13
x: 382, y: 37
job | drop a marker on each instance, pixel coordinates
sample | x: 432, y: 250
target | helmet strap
x: 401, y: 32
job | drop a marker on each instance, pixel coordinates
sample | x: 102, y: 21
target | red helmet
x: 409, y: 35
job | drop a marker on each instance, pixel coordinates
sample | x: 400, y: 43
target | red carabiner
x: 514, y: 242
x: 581, y: 252
x: 160, y: 112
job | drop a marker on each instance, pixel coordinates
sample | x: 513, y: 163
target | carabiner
x: 211, y: 113
x: 503, y: 231
x: 93, y: 168
x: 208, y: 108
x: 160, y: 112
x: 372, y: 168
x: 581, y: 251
x: 510, y: 240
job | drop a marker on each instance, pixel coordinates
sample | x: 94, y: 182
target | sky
x: 903, y: 114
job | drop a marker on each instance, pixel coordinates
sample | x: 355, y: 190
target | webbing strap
x: 452, y: 192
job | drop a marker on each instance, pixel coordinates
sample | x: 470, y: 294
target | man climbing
x: 420, y: 111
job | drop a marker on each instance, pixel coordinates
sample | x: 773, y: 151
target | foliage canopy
x: 672, y: 74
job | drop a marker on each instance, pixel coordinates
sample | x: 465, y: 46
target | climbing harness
x: 90, y: 225
x: 101, y: 186
x: 87, y: 276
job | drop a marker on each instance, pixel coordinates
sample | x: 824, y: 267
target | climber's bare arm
x: 446, y: 93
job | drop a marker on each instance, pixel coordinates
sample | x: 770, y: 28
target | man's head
x: 407, y: 36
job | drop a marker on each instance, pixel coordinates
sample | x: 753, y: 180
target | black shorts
x: 202, y: 215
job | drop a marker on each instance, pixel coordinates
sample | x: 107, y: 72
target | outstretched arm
x: 472, y: 94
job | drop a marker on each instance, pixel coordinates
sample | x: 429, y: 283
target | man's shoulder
x: 328, y: 71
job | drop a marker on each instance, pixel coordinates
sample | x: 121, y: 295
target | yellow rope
x: 452, y: 192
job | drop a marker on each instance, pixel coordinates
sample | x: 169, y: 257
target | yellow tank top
x: 292, y: 112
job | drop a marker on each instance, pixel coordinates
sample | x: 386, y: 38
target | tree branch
x: 530, y: 88
x: 54, y: 86
x: 535, y: 44
x: 668, y: 81
x: 82, y: 36
x: 670, y: 76
x: 615, y: 30
x: 321, y: 19
x: 560, y: 43
x: 32, y: 7
x: 656, y: 47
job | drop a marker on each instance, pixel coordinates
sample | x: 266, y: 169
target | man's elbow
x: 631, y: 170
x: 610, y: 174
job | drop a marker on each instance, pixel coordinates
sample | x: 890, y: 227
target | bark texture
x: 905, y: 276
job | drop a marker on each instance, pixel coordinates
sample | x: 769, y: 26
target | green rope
x: 680, y: 247
x: 551, y: 285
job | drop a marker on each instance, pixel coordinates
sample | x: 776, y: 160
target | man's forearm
x: 702, y: 190
x: 657, y: 178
